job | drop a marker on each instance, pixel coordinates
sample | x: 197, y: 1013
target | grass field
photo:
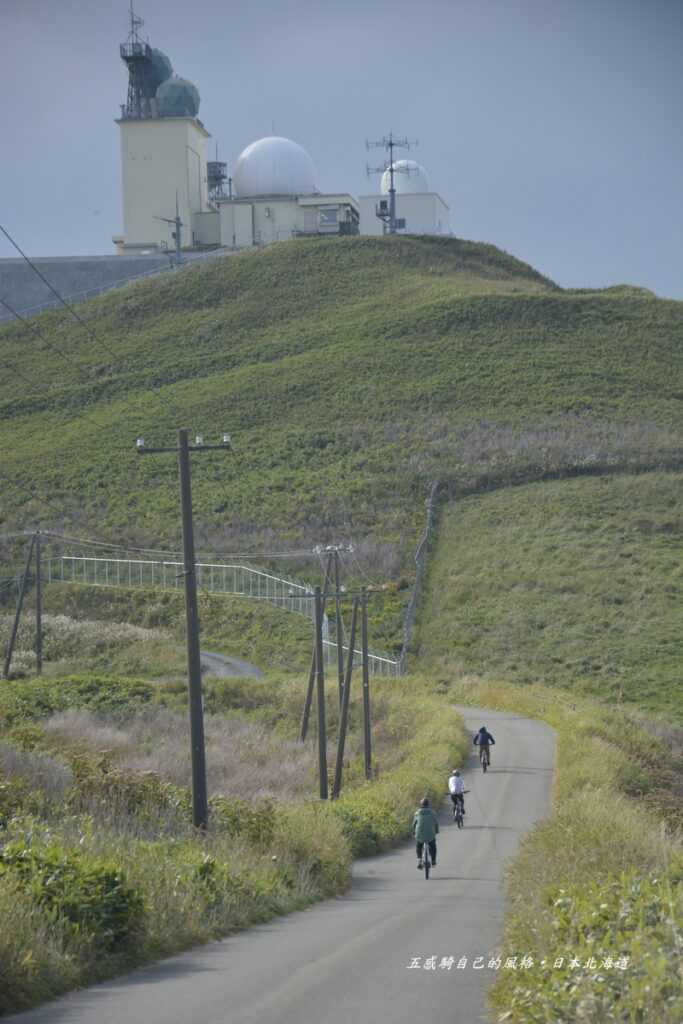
x: 575, y: 584
x: 350, y: 373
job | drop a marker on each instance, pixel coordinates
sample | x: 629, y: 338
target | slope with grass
x: 574, y: 583
x: 350, y: 372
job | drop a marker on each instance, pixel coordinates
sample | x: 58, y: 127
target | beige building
x: 162, y: 158
x: 419, y: 211
x: 260, y: 220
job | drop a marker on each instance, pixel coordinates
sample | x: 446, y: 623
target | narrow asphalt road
x: 347, y: 961
x: 222, y: 665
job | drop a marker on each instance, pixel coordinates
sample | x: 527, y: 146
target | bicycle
x: 426, y: 860
x: 458, y: 811
x: 484, y: 757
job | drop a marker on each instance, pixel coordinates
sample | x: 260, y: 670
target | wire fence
x: 215, y: 578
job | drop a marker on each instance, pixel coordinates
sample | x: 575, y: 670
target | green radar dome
x: 176, y: 97
x: 160, y: 70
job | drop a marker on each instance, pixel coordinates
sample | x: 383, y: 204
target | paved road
x: 221, y: 665
x: 346, y: 961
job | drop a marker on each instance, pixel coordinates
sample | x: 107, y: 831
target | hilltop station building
x: 170, y: 187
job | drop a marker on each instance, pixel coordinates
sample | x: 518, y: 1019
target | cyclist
x: 425, y: 828
x: 485, y: 740
x: 456, y: 788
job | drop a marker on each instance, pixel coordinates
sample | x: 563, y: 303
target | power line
x: 54, y: 291
x: 86, y: 542
x: 39, y: 334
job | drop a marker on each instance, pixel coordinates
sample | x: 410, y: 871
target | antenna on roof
x: 389, y: 143
x: 137, y: 56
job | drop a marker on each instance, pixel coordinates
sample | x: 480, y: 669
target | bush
x: 92, y: 895
x: 623, y: 937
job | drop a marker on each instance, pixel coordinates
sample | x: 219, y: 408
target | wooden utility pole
x: 320, y: 677
x: 344, y: 713
x: 367, y: 736
x: 338, y: 626
x: 200, y: 805
x: 303, y: 729
x: 39, y: 610
x: 17, y: 616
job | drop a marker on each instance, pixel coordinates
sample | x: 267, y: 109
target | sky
x: 551, y: 128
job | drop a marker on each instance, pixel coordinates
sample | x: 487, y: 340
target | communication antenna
x: 389, y: 143
x: 216, y: 176
x: 178, y: 224
x: 137, y: 56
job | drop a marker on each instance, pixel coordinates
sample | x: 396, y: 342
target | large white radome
x: 409, y: 178
x: 274, y: 167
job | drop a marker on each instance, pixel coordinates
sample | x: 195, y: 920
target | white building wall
x: 159, y: 157
x: 425, y: 213
x: 206, y: 228
x: 276, y: 220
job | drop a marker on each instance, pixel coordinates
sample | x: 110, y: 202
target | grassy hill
x: 575, y: 584
x: 350, y: 372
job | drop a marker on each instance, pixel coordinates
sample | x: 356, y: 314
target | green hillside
x: 350, y: 372
x: 576, y: 584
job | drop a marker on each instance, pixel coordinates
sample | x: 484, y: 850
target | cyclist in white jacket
x: 456, y: 788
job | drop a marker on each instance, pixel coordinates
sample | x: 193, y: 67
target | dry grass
x: 38, y: 771
x: 244, y: 758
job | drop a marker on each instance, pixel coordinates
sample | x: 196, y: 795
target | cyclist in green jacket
x: 425, y: 829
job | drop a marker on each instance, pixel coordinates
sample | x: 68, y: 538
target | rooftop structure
x: 274, y: 166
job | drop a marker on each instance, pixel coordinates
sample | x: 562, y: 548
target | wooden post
x: 20, y: 602
x: 39, y: 611
x: 320, y: 676
x: 344, y: 714
x: 367, y: 735
x: 338, y: 627
x: 303, y: 730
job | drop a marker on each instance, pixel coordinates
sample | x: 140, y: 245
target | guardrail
x: 215, y: 578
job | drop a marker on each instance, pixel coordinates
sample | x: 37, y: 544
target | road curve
x: 346, y: 961
x: 221, y: 665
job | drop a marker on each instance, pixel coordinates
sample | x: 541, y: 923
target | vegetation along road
x: 349, y: 959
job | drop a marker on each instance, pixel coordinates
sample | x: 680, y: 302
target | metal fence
x: 216, y: 578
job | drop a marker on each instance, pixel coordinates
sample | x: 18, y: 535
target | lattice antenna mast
x: 389, y: 143
x: 136, y: 54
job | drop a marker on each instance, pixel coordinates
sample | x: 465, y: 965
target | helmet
x: 483, y: 729
x: 424, y: 802
x: 457, y: 771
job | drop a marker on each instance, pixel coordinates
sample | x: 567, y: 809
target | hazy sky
x: 552, y: 128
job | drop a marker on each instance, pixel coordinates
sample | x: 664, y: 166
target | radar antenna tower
x: 216, y: 176
x: 136, y: 54
x: 389, y: 143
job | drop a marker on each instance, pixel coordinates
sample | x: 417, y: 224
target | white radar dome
x: 274, y: 167
x: 409, y: 177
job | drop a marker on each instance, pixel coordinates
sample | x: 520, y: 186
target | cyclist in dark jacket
x: 484, y: 740
x: 425, y: 828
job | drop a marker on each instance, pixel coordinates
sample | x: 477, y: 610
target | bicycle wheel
x: 427, y: 863
x: 459, y: 822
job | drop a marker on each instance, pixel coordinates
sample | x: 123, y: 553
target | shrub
x: 623, y: 937
x: 90, y: 894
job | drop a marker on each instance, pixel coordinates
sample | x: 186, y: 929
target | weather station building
x: 276, y: 198
x: 174, y: 198
x: 419, y: 211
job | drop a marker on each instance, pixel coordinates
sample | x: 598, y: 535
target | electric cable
x: 32, y: 327
x: 54, y: 291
